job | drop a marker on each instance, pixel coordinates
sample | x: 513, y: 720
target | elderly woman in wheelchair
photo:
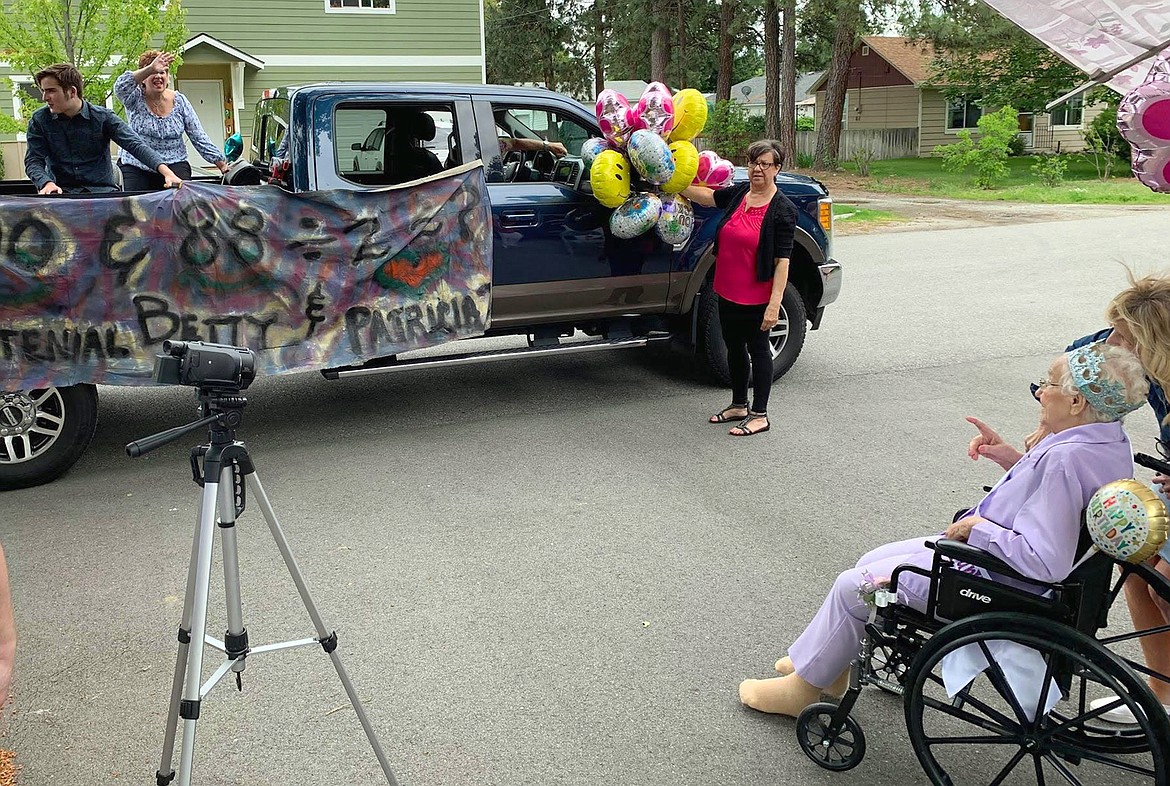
x: 1014, y: 550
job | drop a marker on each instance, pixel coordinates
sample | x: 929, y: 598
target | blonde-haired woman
x: 161, y: 116
x: 1139, y: 320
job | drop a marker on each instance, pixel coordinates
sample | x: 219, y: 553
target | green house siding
x: 433, y: 28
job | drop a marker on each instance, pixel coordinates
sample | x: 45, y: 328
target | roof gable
x: 908, y: 56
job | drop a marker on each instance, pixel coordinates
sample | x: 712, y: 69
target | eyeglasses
x: 762, y: 165
x: 1038, y: 386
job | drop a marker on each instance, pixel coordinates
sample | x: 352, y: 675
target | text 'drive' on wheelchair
x: 1039, y: 656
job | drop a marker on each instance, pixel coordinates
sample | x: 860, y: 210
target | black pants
x: 745, y: 340
x: 138, y: 179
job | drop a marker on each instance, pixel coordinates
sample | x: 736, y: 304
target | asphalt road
x: 549, y: 571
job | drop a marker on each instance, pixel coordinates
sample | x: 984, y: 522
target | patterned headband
x: 1104, y: 395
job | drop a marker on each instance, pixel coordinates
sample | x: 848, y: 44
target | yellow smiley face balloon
x: 690, y: 115
x: 610, y: 178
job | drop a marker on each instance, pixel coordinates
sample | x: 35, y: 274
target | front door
x: 555, y: 259
x: 206, y: 96
x: 1027, y: 125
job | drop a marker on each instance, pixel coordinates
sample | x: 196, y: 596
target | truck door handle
x: 514, y: 219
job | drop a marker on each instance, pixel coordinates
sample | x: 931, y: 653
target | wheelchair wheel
x: 838, y: 751
x: 1007, y: 731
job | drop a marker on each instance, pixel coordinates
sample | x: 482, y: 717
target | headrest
x: 421, y: 126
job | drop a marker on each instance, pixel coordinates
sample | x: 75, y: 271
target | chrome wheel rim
x: 778, y: 335
x: 30, y: 424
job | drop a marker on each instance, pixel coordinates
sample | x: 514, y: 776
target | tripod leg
x: 189, y: 707
x: 166, y: 772
x: 327, y: 638
x: 236, y: 639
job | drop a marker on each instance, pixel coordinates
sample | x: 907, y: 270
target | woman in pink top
x: 752, y: 247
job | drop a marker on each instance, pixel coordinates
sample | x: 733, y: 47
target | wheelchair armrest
x: 957, y: 550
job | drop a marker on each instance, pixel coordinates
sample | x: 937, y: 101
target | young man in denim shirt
x: 69, y: 139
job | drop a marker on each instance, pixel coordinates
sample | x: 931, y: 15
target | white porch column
x: 237, y: 94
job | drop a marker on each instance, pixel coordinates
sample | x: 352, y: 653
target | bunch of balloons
x: 1143, y: 117
x: 647, y: 158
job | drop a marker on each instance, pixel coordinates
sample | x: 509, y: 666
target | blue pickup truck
x: 558, y: 272
x: 557, y: 268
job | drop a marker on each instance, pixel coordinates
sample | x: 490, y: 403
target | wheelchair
x: 996, y: 730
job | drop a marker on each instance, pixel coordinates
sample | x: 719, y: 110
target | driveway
x: 549, y: 571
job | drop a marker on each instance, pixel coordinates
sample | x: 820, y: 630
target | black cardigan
x: 777, y: 233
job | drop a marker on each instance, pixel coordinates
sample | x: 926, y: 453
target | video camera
x: 211, y: 367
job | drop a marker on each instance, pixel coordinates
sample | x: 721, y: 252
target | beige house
x: 888, y: 90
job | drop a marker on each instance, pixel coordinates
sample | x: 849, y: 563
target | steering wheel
x: 513, y: 165
x: 544, y: 162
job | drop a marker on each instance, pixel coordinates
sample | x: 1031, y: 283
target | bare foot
x: 728, y: 414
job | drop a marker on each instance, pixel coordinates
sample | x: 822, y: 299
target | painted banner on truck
x: 90, y: 288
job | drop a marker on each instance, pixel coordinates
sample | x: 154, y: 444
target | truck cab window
x: 532, y: 140
x: 387, y: 144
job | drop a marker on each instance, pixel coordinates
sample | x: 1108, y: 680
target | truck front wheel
x: 787, y: 338
x: 43, y: 432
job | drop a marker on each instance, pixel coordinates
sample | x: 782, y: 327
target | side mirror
x: 356, y: 146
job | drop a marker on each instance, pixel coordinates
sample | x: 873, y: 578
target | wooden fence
x: 882, y: 142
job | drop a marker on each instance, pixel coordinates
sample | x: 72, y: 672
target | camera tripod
x: 227, y: 475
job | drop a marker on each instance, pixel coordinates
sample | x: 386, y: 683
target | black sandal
x: 744, y: 431
x: 723, y: 417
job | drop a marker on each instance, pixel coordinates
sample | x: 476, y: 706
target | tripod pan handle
x: 147, y: 444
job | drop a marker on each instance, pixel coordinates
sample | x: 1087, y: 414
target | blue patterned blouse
x: 163, y: 134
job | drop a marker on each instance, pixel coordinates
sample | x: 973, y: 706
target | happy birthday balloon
x: 650, y: 155
x: 636, y: 215
x: 1127, y: 521
x: 676, y: 220
x: 1143, y: 117
x: 613, y: 115
x: 690, y: 115
x: 590, y: 148
x: 655, y: 109
x: 713, y: 171
x: 686, y: 166
x: 610, y: 178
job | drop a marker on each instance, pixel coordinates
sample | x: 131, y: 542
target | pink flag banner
x: 1097, y: 36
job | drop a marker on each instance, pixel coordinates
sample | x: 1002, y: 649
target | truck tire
x: 787, y: 337
x: 43, y: 433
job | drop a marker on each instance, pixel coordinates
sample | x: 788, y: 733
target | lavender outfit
x: 1034, y: 521
x: 163, y: 134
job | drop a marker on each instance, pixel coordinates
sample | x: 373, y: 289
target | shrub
x: 1105, y: 147
x: 805, y: 160
x: 729, y: 130
x: 806, y: 124
x: 1016, y: 146
x: 862, y: 158
x: 989, y: 154
x: 1050, y: 169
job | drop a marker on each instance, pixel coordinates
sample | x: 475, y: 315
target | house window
x: 963, y: 113
x: 865, y: 51
x: 359, y: 6
x: 1070, y: 113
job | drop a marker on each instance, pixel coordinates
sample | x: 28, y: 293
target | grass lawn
x: 925, y: 176
x: 856, y: 215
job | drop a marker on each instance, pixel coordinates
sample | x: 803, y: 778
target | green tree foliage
x: 1105, y: 147
x: 988, y: 154
x: 979, y: 52
x: 535, y: 41
x: 102, y: 38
